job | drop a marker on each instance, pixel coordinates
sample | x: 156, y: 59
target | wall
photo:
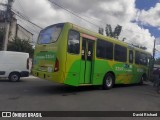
x: 23, y: 33
x: 2, y: 29
x: 15, y: 30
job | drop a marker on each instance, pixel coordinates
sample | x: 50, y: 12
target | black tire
x: 14, y: 77
x: 108, y: 81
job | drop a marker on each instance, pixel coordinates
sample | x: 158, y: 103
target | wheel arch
x: 110, y: 72
x: 108, y: 84
x: 14, y: 72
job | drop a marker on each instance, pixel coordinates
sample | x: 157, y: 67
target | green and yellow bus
x: 69, y: 54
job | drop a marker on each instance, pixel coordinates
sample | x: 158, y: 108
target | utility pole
x: 8, y: 18
x: 154, y: 49
x: 152, y: 60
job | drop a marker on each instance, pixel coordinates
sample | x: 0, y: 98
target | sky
x: 153, y: 8
x: 140, y: 19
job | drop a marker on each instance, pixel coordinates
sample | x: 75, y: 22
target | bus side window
x: 144, y: 59
x: 137, y: 57
x: 130, y: 56
x: 120, y: 53
x: 73, y: 42
x: 104, y: 49
x: 141, y: 58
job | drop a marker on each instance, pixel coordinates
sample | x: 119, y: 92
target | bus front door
x: 87, y: 61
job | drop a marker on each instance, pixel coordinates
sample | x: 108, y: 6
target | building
x: 2, y: 28
x: 15, y: 31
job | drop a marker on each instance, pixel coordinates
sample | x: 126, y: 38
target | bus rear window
x: 50, y: 34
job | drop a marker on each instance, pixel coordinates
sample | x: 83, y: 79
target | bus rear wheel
x: 108, y: 81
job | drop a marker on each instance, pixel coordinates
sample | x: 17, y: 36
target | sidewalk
x: 148, y: 83
x: 31, y: 76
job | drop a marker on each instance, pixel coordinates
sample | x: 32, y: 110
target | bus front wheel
x: 108, y: 81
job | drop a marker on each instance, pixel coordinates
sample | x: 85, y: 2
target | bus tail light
x: 56, y: 68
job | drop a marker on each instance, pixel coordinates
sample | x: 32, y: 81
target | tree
x: 20, y: 45
x: 109, y: 30
x: 100, y: 31
x: 115, y: 33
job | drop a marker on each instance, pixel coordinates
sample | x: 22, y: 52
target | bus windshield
x: 50, y: 34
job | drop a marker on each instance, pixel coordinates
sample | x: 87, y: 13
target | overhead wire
x: 24, y: 20
x: 22, y: 17
x: 25, y: 15
x: 25, y: 33
x: 76, y: 14
x: 73, y: 13
x: 19, y: 3
x: 28, y: 26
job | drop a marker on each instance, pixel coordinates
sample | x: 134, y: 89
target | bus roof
x: 97, y: 35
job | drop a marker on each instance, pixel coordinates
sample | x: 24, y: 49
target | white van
x: 14, y: 65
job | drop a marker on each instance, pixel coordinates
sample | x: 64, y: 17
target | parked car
x: 14, y: 65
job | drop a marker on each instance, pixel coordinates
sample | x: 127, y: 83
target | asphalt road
x: 34, y: 94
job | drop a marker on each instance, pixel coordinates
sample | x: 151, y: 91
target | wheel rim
x: 14, y: 77
x: 109, y: 81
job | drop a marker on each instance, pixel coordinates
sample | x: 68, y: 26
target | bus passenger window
x: 141, y: 58
x: 130, y: 56
x: 120, y: 53
x: 73, y: 42
x: 104, y: 49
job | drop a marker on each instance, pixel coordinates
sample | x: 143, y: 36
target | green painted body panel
x: 75, y: 71
x: 82, y: 72
x: 72, y: 73
x: 88, y: 72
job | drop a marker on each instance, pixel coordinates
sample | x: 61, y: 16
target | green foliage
x: 20, y: 45
x: 115, y: 33
x: 100, y: 31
